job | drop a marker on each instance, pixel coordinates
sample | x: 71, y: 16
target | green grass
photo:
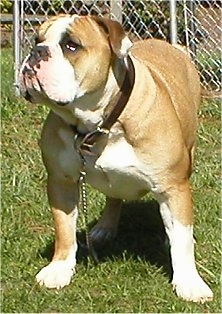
x: 133, y: 273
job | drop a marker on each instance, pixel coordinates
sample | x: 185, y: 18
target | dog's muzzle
x: 39, y: 53
x: 46, y: 75
x: 32, y: 64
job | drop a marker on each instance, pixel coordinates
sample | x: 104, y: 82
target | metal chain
x: 83, y: 194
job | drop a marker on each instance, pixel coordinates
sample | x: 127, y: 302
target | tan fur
x: 159, y: 124
x: 162, y: 122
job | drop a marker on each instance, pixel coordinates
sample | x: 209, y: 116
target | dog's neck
x: 111, y: 114
x: 104, y: 106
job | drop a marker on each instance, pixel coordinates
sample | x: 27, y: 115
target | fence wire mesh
x: 198, y: 25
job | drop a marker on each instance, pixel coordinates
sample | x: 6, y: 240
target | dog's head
x: 72, y: 58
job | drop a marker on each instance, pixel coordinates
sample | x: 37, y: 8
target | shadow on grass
x: 141, y: 235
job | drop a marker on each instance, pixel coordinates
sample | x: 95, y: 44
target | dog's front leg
x: 63, y: 199
x: 177, y: 214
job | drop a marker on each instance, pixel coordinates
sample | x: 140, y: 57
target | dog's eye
x: 72, y: 46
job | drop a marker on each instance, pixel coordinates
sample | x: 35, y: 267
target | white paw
x: 55, y: 275
x: 192, y: 288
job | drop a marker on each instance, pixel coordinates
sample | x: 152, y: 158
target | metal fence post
x: 192, y: 26
x: 16, y: 40
x: 186, y: 24
x: 116, y: 10
x: 173, y: 22
x: 142, y: 19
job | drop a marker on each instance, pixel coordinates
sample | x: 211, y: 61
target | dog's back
x: 173, y: 70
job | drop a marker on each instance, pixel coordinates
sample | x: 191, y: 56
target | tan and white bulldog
x: 129, y: 113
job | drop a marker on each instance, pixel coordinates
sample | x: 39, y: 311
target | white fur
x: 61, y: 75
x: 186, y: 280
x: 58, y: 273
x: 55, y: 78
x: 125, y: 46
x: 60, y: 83
x: 56, y: 81
x: 58, y: 28
x: 118, y: 172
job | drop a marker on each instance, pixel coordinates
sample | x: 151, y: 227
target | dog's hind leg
x: 106, y: 228
x: 176, y: 211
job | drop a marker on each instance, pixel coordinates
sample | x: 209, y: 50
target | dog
x: 125, y: 115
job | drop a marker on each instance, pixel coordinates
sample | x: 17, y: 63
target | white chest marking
x: 119, y: 173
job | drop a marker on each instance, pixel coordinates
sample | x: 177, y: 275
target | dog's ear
x: 119, y: 42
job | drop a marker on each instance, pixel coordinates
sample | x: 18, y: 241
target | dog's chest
x: 116, y: 170
x: 119, y: 173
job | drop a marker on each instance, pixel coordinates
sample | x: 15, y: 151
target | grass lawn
x: 134, y: 271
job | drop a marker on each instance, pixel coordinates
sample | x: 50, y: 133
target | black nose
x: 38, y: 54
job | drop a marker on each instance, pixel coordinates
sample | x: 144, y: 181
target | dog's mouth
x: 29, y: 81
x: 35, y: 91
x: 32, y: 89
x: 30, y: 86
x: 47, y: 77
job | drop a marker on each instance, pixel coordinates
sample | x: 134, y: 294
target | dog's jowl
x: 129, y: 112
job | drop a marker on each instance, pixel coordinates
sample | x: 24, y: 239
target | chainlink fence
x: 195, y: 24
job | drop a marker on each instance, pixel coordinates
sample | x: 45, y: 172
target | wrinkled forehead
x: 53, y: 29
